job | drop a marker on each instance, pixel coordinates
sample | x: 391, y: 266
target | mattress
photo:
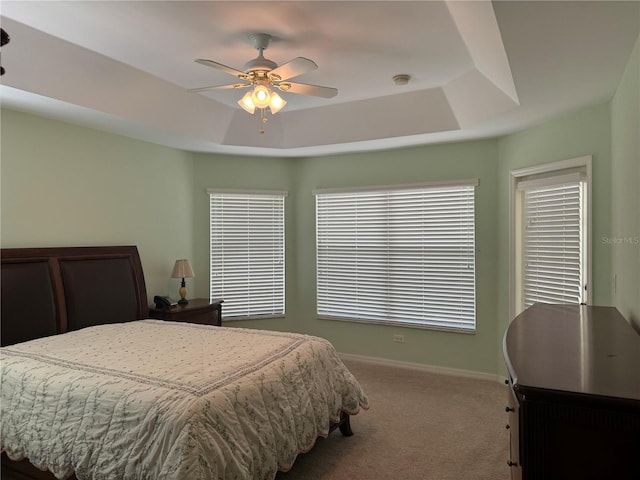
x: 151, y: 399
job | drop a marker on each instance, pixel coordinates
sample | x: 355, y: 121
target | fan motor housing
x: 259, y: 63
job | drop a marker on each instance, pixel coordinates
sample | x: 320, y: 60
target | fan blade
x: 220, y: 87
x: 219, y: 66
x: 293, y: 68
x: 304, y: 89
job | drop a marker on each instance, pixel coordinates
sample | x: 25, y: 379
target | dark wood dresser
x: 574, y: 396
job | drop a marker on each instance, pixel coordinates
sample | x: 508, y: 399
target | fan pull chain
x: 264, y: 120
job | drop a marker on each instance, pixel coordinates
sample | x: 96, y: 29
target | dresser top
x: 574, y: 348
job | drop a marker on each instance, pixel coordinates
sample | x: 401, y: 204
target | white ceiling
x: 478, y: 69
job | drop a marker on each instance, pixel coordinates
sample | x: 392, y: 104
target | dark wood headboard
x: 47, y: 291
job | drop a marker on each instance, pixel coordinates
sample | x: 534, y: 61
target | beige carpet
x: 420, y: 426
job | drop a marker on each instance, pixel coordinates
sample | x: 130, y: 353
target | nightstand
x: 198, y: 310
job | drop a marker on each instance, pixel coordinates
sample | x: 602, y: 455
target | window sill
x: 251, y: 317
x: 393, y: 323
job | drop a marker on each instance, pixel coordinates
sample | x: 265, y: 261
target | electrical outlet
x: 398, y: 338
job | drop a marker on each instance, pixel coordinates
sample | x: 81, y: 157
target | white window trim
x: 469, y: 182
x: 382, y: 188
x: 240, y: 191
x: 273, y: 193
x: 583, y: 162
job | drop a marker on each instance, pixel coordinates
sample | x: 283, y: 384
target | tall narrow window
x: 551, y: 235
x: 247, y: 252
x: 553, y: 244
x: 400, y: 255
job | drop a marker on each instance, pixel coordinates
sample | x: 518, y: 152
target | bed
x: 92, y: 388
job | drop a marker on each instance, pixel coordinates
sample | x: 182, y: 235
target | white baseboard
x: 425, y: 368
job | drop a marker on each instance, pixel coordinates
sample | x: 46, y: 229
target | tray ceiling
x: 477, y: 69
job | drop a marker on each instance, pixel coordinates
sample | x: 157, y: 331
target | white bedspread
x: 168, y: 400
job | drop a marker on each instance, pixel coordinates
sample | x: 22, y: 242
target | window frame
x: 551, y: 170
x: 273, y: 194
x: 448, y: 324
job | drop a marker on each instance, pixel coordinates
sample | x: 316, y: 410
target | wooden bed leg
x: 345, y: 424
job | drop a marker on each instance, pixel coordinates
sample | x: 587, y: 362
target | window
x: 551, y: 234
x: 402, y: 255
x: 247, y: 252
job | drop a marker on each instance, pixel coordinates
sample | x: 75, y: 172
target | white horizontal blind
x: 553, y: 244
x: 247, y: 253
x: 399, y: 256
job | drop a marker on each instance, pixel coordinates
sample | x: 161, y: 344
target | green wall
x: 256, y: 173
x: 424, y: 164
x: 301, y: 176
x: 623, y: 240
x: 69, y: 185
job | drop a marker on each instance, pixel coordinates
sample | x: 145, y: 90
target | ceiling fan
x: 264, y: 74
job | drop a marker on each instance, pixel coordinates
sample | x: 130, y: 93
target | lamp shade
x: 261, y: 96
x: 277, y: 102
x: 182, y: 269
x: 246, y: 103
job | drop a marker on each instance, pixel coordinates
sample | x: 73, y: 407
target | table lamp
x: 182, y: 269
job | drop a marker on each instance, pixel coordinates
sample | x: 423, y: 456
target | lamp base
x: 183, y: 294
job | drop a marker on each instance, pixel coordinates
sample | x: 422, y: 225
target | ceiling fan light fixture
x: 247, y: 103
x: 262, y: 97
x: 262, y: 74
